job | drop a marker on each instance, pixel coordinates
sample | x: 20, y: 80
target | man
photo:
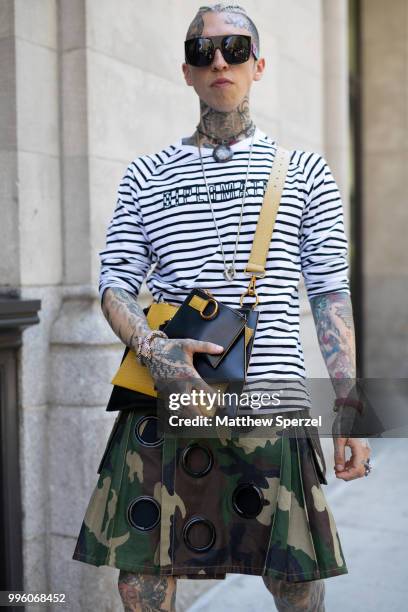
x: 167, y: 214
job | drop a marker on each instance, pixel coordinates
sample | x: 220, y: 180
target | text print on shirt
x: 220, y: 192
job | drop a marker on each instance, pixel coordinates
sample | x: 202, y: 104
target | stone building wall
x: 87, y: 85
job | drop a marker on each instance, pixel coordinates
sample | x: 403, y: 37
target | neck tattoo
x: 219, y: 130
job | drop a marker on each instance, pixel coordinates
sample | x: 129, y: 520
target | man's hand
x: 333, y: 316
x: 354, y: 467
x: 172, y: 362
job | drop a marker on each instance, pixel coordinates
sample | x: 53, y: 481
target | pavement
x: 372, y: 520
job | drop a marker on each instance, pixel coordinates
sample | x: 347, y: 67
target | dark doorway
x: 15, y: 315
x: 356, y: 178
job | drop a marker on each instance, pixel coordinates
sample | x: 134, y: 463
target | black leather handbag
x: 202, y: 317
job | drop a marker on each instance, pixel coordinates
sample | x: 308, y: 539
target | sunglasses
x: 235, y: 49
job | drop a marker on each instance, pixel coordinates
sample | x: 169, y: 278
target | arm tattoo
x: 124, y: 315
x: 333, y: 316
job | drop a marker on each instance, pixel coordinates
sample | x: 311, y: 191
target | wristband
x: 348, y: 401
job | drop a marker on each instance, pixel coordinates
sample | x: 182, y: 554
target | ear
x: 259, y: 68
x: 187, y: 73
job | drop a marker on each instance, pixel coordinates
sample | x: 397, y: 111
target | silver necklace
x: 223, y: 152
x: 229, y: 269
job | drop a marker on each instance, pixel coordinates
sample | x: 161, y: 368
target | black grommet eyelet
x: 146, y: 431
x: 144, y: 513
x: 247, y: 500
x: 195, y: 453
x: 193, y: 530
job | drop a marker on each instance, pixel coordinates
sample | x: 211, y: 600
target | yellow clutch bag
x: 133, y: 375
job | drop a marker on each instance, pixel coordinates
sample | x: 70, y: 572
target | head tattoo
x: 235, y: 15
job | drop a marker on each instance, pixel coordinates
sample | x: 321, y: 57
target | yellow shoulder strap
x: 264, y: 228
x: 267, y: 216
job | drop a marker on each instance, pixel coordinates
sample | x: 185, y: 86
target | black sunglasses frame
x: 217, y: 43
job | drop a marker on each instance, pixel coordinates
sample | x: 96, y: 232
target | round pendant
x: 229, y: 273
x: 223, y: 153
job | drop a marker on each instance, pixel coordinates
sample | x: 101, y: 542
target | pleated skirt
x: 202, y: 508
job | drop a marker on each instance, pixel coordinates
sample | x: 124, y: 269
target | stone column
x: 336, y: 95
x: 84, y: 352
x: 30, y: 239
x: 9, y: 236
x: 385, y: 189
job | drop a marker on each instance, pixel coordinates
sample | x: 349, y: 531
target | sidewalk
x: 372, y: 519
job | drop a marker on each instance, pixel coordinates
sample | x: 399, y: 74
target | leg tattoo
x: 296, y: 596
x: 142, y: 593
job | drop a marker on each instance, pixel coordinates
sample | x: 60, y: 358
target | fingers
x: 339, y: 453
x: 207, y: 403
x: 192, y: 409
x: 354, y: 467
x: 183, y: 389
x: 197, y: 346
x: 202, y: 398
x: 201, y: 385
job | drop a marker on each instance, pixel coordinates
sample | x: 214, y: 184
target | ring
x: 367, y: 466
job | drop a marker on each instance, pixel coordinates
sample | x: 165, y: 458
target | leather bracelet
x: 144, y: 350
x: 339, y: 402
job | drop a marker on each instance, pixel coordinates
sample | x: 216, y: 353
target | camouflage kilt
x: 206, y: 507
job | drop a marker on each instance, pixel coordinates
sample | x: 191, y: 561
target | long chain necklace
x: 229, y: 269
x: 223, y: 152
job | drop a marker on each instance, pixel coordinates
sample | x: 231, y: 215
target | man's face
x: 223, y: 86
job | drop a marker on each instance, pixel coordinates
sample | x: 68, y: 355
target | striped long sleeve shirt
x: 162, y: 229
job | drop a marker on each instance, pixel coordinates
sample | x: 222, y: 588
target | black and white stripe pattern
x: 163, y: 217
